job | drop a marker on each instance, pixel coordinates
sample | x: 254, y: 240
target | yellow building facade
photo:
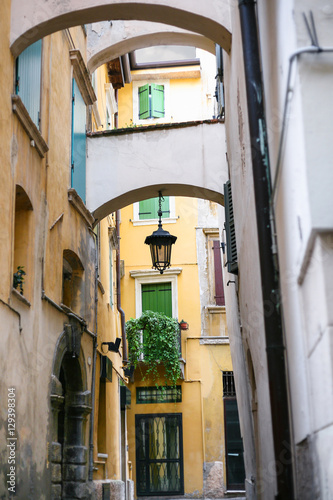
x: 58, y: 290
x: 198, y: 466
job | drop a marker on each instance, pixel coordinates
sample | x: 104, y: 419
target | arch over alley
x: 108, y: 40
x: 35, y: 19
x: 128, y: 165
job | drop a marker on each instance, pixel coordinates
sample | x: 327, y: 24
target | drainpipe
x: 275, y: 348
x: 120, y: 310
x: 93, y: 375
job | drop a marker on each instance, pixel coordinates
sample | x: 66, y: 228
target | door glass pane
x: 160, y: 468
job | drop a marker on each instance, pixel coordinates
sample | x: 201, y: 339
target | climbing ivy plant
x: 154, y: 338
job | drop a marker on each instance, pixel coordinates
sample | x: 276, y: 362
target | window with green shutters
x: 78, y: 177
x: 151, y: 101
x: 148, y: 208
x: 28, y: 79
x: 157, y: 297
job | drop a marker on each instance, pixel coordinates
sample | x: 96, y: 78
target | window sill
x: 35, y: 136
x: 215, y: 309
x: 151, y: 222
x: 20, y: 297
x: 75, y: 200
x: 214, y: 340
x: 101, y: 287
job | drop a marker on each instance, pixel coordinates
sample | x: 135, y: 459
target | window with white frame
x: 165, y: 288
x: 151, y: 102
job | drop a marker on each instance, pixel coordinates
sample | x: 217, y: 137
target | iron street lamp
x: 160, y: 243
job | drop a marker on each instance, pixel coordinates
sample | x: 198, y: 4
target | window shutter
x: 144, y: 102
x: 157, y: 297
x: 111, y: 274
x: 219, y: 291
x: 28, y: 75
x: 148, y: 208
x: 157, y: 100
x: 232, y: 262
x: 78, y: 143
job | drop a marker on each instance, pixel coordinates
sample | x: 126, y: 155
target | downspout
x: 93, y: 375
x: 120, y: 310
x: 275, y: 348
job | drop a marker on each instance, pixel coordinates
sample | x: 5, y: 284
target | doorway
x: 159, y: 454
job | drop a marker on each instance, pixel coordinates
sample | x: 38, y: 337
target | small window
x: 151, y: 101
x: 148, y: 208
x: 149, y: 395
x: 229, y: 389
x: 218, y: 278
x: 72, y: 281
x: 23, y: 262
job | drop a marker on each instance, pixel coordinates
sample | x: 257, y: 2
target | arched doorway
x: 70, y: 405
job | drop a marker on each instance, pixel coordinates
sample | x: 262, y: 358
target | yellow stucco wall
x: 202, y: 397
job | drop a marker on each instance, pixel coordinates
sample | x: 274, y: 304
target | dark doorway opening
x: 159, y: 454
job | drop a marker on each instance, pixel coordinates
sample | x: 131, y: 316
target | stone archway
x: 35, y: 19
x: 125, y: 166
x: 70, y: 405
x: 109, y: 40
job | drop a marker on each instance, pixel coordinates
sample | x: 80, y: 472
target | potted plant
x: 154, y: 339
x: 183, y: 325
x: 18, y: 279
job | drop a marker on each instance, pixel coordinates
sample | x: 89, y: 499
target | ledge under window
x: 82, y: 77
x: 35, y: 136
x: 75, y: 200
x: 20, y: 297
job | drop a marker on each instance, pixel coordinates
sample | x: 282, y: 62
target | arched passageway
x: 108, y: 40
x: 33, y: 19
x: 70, y: 404
x: 126, y: 166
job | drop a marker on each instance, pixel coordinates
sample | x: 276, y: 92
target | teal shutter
x: 111, y: 274
x: 157, y: 297
x: 157, y: 100
x: 78, y: 143
x: 28, y: 76
x: 232, y: 262
x: 144, y: 102
x: 148, y: 208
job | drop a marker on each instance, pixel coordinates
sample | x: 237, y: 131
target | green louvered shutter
x: 157, y: 297
x: 28, y: 76
x: 232, y: 263
x: 78, y: 143
x: 148, y: 208
x: 157, y: 100
x: 144, y: 102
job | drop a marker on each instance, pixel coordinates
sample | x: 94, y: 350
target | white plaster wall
x: 291, y: 197
x: 304, y: 222
x: 243, y: 299
x: 33, y: 19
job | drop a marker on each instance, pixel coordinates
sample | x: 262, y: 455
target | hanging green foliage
x: 154, y: 339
